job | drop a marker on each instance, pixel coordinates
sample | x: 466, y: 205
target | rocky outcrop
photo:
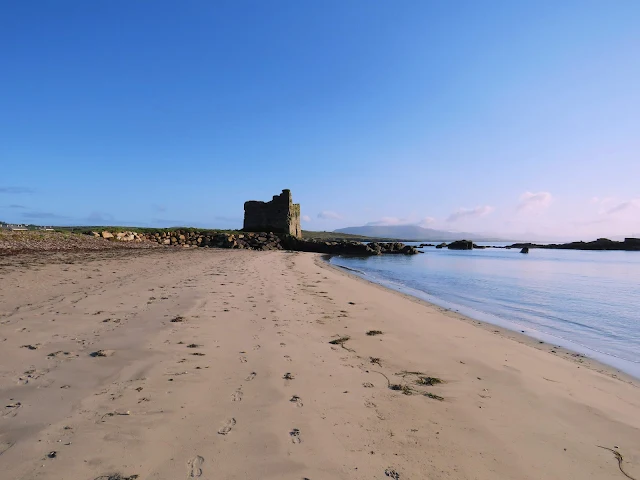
x: 187, y: 238
x: 629, y: 244
x: 120, y: 236
x: 260, y: 241
x: 461, y: 245
x: 350, y: 247
x: 393, y: 247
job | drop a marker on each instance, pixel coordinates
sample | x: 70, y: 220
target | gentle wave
x: 583, y: 301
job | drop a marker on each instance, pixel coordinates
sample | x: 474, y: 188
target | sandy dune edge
x: 248, y: 386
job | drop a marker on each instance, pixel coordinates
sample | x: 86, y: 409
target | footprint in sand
x: 296, y: 400
x: 194, y: 467
x: 256, y: 347
x: 288, y: 358
x: 228, y: 425
x: 11, y: 410
x: 251, y: 376
x: 295, y: 436
x: 237, y: 395
x: 242, y: 359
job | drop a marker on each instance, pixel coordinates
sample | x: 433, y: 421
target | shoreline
x: 276, y: 365
x: 541, y: 341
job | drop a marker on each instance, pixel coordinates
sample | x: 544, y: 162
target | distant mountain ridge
x: 414, y: 232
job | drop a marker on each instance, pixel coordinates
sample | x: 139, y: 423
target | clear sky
x: 487, y: 116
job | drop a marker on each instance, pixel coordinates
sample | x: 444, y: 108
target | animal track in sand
x: 227, y: 426
x: 295, y: 436
x: 242, y: 359
x: 287, y: 358
x: 31, y: 374
x: 4, y: 446
x: 194, y: 467
x: 296, y: 400
x: 251, y: 376
x: 237, y: 395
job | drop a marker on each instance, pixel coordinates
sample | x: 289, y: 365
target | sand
x: 97, y: 380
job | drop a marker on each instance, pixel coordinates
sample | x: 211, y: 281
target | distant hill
x: 338, y: 236
x: 414, y: 232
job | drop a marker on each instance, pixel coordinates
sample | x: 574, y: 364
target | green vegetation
x: 116, y: 229
x: 306, y: 234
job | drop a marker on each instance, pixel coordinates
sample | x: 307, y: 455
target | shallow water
x: 588, y: 301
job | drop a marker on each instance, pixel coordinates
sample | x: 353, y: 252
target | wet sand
x: 96, y: 379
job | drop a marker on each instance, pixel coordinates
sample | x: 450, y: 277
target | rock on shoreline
x: 258, y: 241
x: 629, y: 245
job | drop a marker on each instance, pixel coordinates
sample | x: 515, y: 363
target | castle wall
x: 280, y: 215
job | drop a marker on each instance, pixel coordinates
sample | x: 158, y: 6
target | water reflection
x: 589, y: 298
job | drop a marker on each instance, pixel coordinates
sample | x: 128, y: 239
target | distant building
x: 13, y: 226
x: 280, y: 215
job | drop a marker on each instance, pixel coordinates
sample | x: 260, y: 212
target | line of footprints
x: 194, y: 465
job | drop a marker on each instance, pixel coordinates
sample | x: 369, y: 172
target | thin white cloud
x: 99, y: 217
x: 43, y: 215
x: 159, y: 208
x: 329, y: 215
x: 632, y: 204
x: 388, y: 221
x: 394, y: 221
x: 426, y: 221
x: 306, y: 218
x: 15, y: 190
x: 461, y: 213
x: 534, y: 202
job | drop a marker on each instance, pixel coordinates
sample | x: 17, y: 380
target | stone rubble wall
x: 257, y: 241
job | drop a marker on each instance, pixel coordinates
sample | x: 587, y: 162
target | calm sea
x: 588, y: 302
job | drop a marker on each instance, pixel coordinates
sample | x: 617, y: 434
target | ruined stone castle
x: 280, y: 215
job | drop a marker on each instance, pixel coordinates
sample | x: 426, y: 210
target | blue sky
x: 494, y: 116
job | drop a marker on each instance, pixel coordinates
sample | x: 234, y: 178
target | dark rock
x: 629, y: 244
x: 461, y: 245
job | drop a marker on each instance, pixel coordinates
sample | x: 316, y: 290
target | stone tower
x: 280, y: 215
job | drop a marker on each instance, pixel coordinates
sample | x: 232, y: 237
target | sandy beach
x: 217, y: 364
